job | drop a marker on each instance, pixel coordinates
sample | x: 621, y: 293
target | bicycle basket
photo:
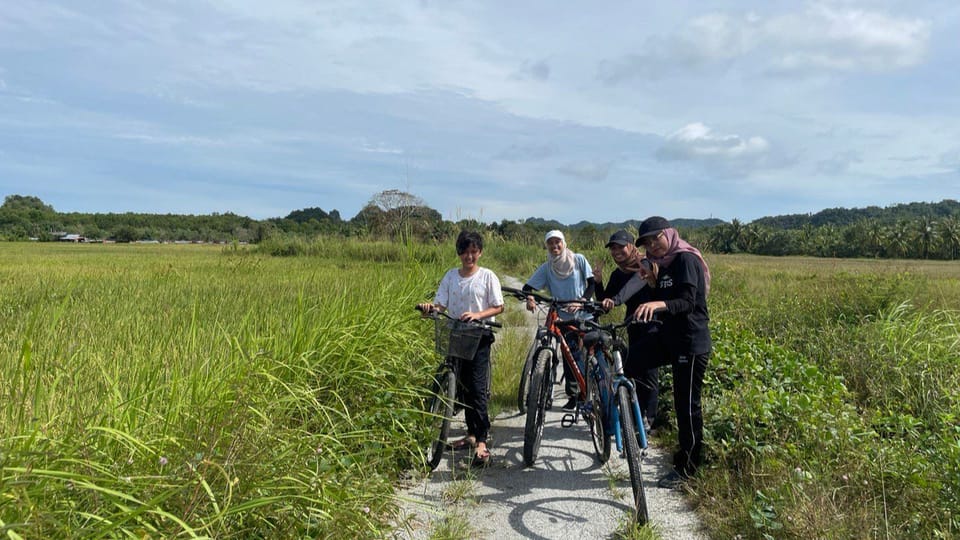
x: 457, y: 339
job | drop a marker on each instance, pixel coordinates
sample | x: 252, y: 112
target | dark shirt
x: 685, y: 325
x: 639, y: 335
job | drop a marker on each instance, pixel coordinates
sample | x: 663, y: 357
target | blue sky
x: 599, y: 111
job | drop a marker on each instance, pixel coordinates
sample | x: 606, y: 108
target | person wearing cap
x: 680, y: 301
x: 644, y: 353
x: 568, y: 276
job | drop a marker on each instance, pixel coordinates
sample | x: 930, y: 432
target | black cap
x: 652, y: 225
x: 621, y: 237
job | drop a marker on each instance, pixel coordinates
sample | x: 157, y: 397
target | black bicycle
x: 455, y: 341
x: 542, y: 337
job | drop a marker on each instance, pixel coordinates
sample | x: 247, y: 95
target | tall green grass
x: 832, y: 403
x: 165, y: 391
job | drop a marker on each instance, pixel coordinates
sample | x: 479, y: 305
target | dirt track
x: 565, y: 494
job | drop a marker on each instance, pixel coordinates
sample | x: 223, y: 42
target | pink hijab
x: 677, y: 245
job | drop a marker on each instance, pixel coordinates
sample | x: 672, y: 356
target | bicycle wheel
x: 525, y: 377
x: 540, y: 390
x: 628, y: 428
x: 598, y: 413
x: 441, y: 412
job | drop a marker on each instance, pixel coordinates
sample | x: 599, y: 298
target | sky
x: 602, y: 111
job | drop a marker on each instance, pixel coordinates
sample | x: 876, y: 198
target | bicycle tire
x: 631, y: 447
x: 525, y: 377
x: 540, y: 390
x: 441, y: 413
x: 598, y: 413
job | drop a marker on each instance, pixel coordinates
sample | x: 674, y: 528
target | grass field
x: 196, y: 391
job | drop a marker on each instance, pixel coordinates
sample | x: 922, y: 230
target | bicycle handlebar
x: 616, y: 326
x: 434, y: 313
x: 587, y: 305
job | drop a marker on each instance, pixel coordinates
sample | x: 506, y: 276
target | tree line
x: 913, y: 230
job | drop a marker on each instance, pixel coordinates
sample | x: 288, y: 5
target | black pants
x: 474, y: 375
x: 688, y: 373
x: 643, y: 362
x: 571, y: 387
x: 647, y: 383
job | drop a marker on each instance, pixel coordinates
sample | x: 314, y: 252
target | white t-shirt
x: 474, y: 293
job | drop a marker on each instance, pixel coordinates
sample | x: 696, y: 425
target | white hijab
x: 563, y: 264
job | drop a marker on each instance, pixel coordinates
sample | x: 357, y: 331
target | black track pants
x: 688, y: 372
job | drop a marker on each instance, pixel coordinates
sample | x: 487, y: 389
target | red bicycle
x: 539, y: 371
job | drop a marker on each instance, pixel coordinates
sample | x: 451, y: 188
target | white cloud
x: 819, y: 39
x: 593, y: 171
x: 527, y: 152
x: 174, y: 140
x: 529, y: 70
x: 838, y: 163
x: 846, y: 40
x: 380, y: 148
x: 697, y: 142
x: 951, y: 160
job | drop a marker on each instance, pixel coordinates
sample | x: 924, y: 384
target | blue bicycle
x: 615, y: 399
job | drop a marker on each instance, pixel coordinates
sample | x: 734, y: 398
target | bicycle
x: 538, y: 339
x: 540, y: 375
x: 455, y: 341
x: 620, y: 416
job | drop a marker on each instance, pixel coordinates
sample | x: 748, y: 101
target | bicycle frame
x: 555, y: 327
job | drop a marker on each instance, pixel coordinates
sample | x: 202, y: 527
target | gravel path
x: 565, y: 494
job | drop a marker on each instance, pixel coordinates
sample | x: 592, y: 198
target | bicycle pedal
x: 568, y: 420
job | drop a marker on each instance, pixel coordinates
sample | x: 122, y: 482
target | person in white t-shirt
x: 470, y: 293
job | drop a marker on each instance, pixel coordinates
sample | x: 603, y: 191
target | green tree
x: 949, y: 234
x: 925, y: 235
x: 125, y: 233
x: 22, y: 202
x: 400, y: 215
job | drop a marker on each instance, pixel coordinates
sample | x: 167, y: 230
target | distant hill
x: 838, y: 217
x: 686, y: 223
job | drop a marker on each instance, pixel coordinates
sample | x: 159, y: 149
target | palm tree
x: 925, y: 234
x: 753, y: 237
x: 876, y: 237
x: 899, y: 238
x: 949, y: 232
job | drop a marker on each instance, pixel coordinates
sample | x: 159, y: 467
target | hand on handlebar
x: 607, y: 304
x: 531, y: 303
x: 646, y: 311
x: 426, y: 308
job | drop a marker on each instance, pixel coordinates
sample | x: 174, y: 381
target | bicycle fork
x: 640, y: 434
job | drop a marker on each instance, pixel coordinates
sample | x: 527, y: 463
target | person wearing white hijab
x: 568, y: 276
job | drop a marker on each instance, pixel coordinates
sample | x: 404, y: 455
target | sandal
x: 464, y: 443
x: 481, y: 461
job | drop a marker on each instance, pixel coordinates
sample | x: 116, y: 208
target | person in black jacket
x: 645, y: 353
x: 680, y: 301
